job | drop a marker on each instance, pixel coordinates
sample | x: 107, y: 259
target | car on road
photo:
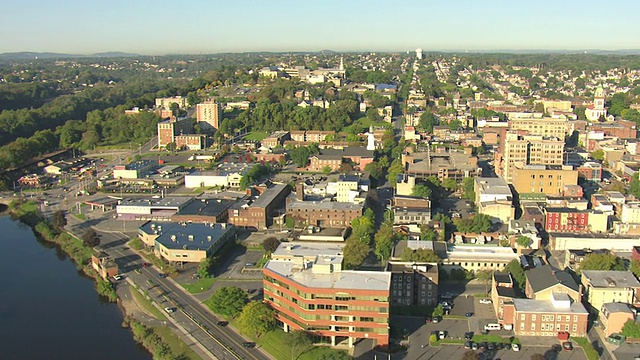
x: 170, y: 309
x: 567, y: 346
x: 162, y: 275
x: 222, y: 323
x: 145, y: 264
x: 248, y: 344
x: 469, y: 314
x: 515, y: 347
x: 485, y: 301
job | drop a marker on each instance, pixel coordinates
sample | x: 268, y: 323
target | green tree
x: 204, y: 268
x: 596, y: 261
x: 419, y: 255
x: 631, y: 329
x: 384, y: 241
x: 598, y: 155
x: 467, y: 189
x: 516, y: 271
x: 485, y: 277
x: 59, y: 221
x: 478, y: 224
x: 427, y: 121
x: 422, y: 191
x: 326, y: 170
x: 270, y: 244
x: 256, y: 319
x: 394, y: 170
x: 634, y: 186
x: 524, y: 241
x: 450, y: 184
x: 90, y: 238
x: 300, y: 341
x: 171, y: 147
x: 427, y: 233
x: 437, y: 312
x: 227, y: 301
x: 355, y: 251
x: 634, y: 267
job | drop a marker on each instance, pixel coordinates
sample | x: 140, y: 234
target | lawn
x: 585, y: 344
x: 146, y: 304
x: 276, y: 343
x: 199, y: 286
x: 177, y: 346
x: 256, y: 136
x: 366, y: 122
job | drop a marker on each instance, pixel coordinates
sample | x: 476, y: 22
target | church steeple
x: 341, y: 63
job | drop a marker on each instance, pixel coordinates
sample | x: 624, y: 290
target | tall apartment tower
x: 419, y: 54
x: 208, y: 115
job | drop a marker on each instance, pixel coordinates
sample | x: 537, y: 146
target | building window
x: 533, y: 326
x: 575, y: 319
x: 522, y: 317
x: 533, y: 317
x: 575, y: 328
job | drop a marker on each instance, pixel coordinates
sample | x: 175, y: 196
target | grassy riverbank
x: 80, y: 254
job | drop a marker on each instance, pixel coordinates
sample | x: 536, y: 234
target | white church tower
x: 371, y: 141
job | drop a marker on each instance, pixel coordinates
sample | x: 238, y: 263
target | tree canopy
x: 516, y: 271
x: 477, y: 224
x: 257, y: 318
x: 419, y: 255
x: 597, y: 261
x: 227, y: 301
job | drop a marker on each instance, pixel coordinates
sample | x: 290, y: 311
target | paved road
x: 224, y: 343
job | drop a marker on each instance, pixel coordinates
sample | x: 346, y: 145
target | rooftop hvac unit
x: 190, y: 237
x: 208, y: 237
x: 173, y: 238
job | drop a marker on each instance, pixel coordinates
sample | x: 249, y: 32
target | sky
x: 158, y: 27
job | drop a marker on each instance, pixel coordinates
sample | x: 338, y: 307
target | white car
x: 515, y: 347
x: 444, y: 304
x: 485, y: 301
x: 441, y: 335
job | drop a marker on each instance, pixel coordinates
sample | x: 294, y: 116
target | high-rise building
x: 419, y: 54
x: 549, y: 127
x: 208, y: 115
x: 525, y: 150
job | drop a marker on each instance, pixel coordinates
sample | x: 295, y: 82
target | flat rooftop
x: 547, y: 306
x: 611, y: 279
x: 496, y: 186
x: 321, y: 254
x: 168, y: 202
x: 175, y: 235
x: 267, y: 197
x: 206, y: 207
x: 324, y: 205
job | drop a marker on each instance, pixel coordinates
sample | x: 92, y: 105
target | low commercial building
x: 226, y: 175
x: 613, y: 316
x: 567, y: 241
x: 185, y: 242
x: 351, y: 189
x: 547, y: 317
x: 573, y: 220
x: 453, y: 164
x: 411, y: 210
x: 259, y: 212
x: 475, y: 258
x: 413, y: 284
x: 307, y: 287
x: 607, y: 286
x: 102, y: 263
x: 543, y: 179
x: 204, y: 211
x: 357, y: 156
x: 494, y: 198
x: 135, y: 170
x: 323, y: 214
x: 150, y: 209
x: 502, y: 292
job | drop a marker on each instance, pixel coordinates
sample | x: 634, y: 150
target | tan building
x: 543, y: 281
x: 547, y: 127
x: 543, y: 179
x: 494, y: 198
x: 103, y: 264
x: 613, y: 316
x: 502, y: 292
x: 559, y: 105
x: 208, y: 115
x: 527, y: 150
x: 607, y: 286
x: 165, y: 103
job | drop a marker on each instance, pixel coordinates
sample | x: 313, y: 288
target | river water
x: 48, y: 310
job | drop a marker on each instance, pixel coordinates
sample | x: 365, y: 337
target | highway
x: 200, y: 323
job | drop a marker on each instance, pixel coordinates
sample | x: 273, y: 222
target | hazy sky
x: 209, y: 26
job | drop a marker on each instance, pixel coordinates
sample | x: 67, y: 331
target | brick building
x: 547, y: 317
x: 324, y: 214
x: 208, y: 115
x: 573, y: 220
x: 590, y: 171
x: 413, y: 284
x: 259, y: 213
x: 191, y: 141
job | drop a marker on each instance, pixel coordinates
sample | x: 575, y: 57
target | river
x: 48, y: 310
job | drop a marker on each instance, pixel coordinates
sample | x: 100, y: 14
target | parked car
x: 556, y: 347
x: 444, y: 304
x: 567, y: 346
x: 428, y: 320
x: 118, y: 277
x: 468, y: 335
x: 435, y: 320
x: 467, y: 344
x: 490, y: 346
x: 474, y: 346
x: 170, y: 309
x: 515, y: 347
x: 441, y: 335
x: 485, y: 301
x: 469, y: 314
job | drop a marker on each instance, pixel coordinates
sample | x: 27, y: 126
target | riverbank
x: 160, y: 341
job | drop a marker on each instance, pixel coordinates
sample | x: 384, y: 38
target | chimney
x: 300, y: 191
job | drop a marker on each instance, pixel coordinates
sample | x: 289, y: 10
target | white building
x: 227, y: 175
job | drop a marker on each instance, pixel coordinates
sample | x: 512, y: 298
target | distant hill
x: 27, y: 55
